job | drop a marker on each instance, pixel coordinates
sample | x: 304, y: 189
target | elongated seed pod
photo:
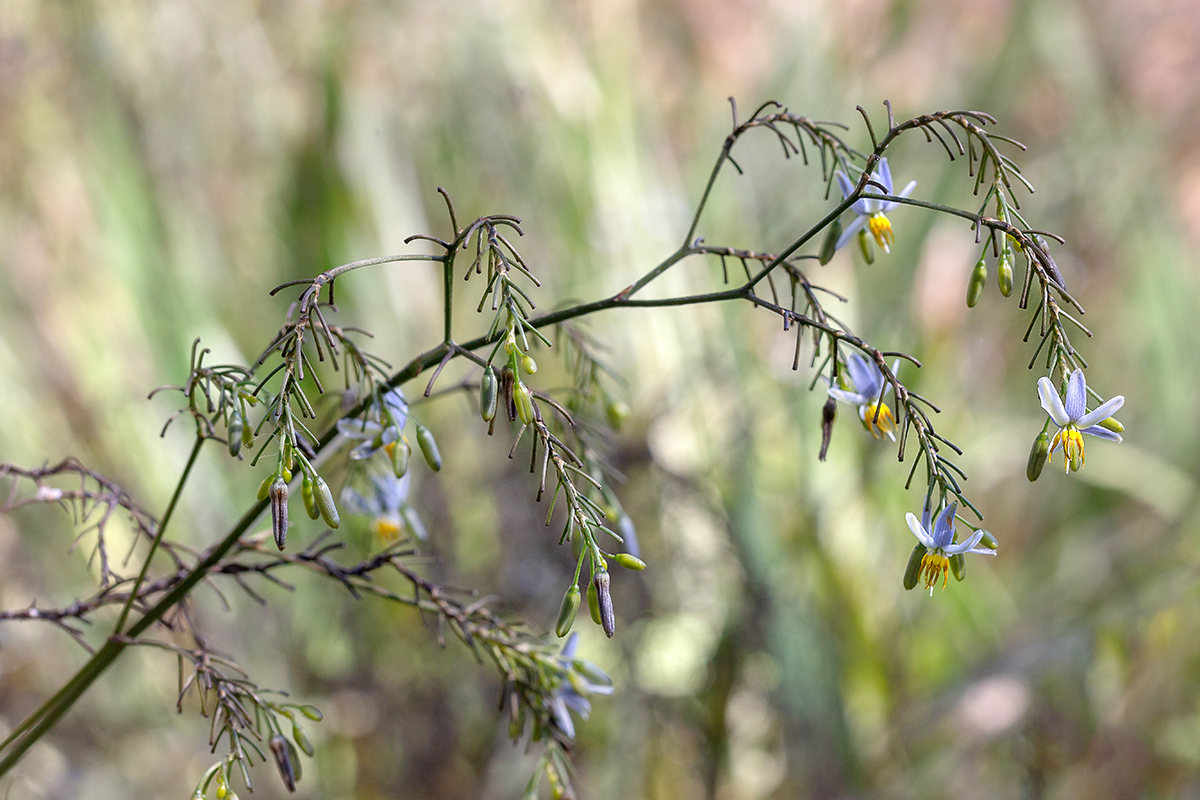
x: 324, y: 501
x: 429, y: 447
x: 912, y: 573
x: 829, y: 243
x: 489, y: 394
x: 283, y: 760
x: 607, y: 621
x: 279, y: 511
x: 566, y: 612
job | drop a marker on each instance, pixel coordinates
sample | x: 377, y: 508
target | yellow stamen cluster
x: 388, y: 530
x: 881, y: 228
x: 882, y: 425
x: 1071, y: 441
x: 935, y: 565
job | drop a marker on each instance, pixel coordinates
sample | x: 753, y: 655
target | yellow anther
x: 883, y: 425
x: 935, y: 565
x: 388, y: 530
x: 1071, y: 441
x: 881, y: 228
x: 388, y: 448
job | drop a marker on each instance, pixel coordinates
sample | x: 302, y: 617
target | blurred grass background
x: 163, y: 165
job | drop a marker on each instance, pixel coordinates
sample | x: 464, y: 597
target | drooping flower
x: 872, y: 211
x: 940, y: 545
x: 581, y: 678
x: 867, y: 395
x: 387, y: 504
x: 376, y: 430
x: 1071, y: 416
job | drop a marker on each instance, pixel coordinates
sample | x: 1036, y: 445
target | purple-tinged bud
x: 604, y: 600
x: 281, y: 751
x: 279, y: 511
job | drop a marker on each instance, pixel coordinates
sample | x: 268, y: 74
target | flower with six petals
x: 1073, y: 419
x: 869, y: 388
x: 940, y: 545
x: 871, y: 211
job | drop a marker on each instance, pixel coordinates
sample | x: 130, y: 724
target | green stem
x: 448, y: 295
x: 162, y: 526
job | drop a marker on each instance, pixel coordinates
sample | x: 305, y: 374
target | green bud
x: 576, y: 545
x: 429, y: 447
x: 593, y: 603
x: 312, y: 712
x: 829, y: 243
x: 629, y: 562
x: 264, y: 488
x: 524, y: 402
x: 247, y: 433
x: 1037, y: 456
x: 302, y: 741
x: 617, y: 412
x: 912, y: 573
x: 977, y: 282
x: 489, y: 394
x: 989, y: 541
x: 289, y: 457
x: 324, y: 500
x: 566, y: 613
x: 865, y: 247
x: 400, y: 453
x: 1004, y: 273
x: 528, y: 364
x: 958, y: 565
x: 1111, y: 424
x: 310, y: 498
x: 234, y: 434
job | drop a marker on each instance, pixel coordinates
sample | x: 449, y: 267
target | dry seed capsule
x: 234, y: 433
x: 912, y: 573
x: 629, y: 562
x: 977, y: 281
x: 829, y: 243
x: 324, y: 501
x: 1037, y: 456
x: 310, y: 498
x: 524, y: 403
x: 429, y: 447
x: 593, y: 602
x: 283, y: 760
x: 958, y: 565
x: 566, y: 612
x: 604, y: 600
x: 279, y: 511
x: 489, y: 394
x: 400, y: 453
x: 1004, y: 273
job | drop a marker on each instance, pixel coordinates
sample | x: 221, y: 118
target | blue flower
x: 871, y: 211
x: 582, y: 678
x: 376, y: 430
x: 387, y: 504
x: 940, y: 545
x: 868, y: 396
x: 1072, y: 418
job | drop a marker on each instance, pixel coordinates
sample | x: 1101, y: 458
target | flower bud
x: 528, y: 364
x: 828, y: 417
x: 576, y: 545
x: 302, y: 741
x: 279, y: 511
x: 566, y: 612
x: 1037, y: 456
x: 629, y: 562
x: 829, y: 243
x: 593, y: 602
x: 617, y: 412
x: 324, y: 501
x: 283, y: 760
x: 234, y: 433
x: 865, y: 247
x: 976, y: 283
x: 912, y: 573
x: 400, y: 453
x: 429, y: 447
x: 488, y: 394
x: 1004, y: 273
x: 508, y: 382
x: 604, y: 601
x: 524, y: 402
x: 989, y: 541
x: 310, y: 498
x: 958, y: 565
x: 312, y: 712
x: 264, y: 488
x: 1111, y: 424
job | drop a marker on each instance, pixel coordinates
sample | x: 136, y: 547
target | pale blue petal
x: 964, y: 547
x: 354, y: 503
x: 1102, y: 412
x: 943, y: 528
x: 890, y: 204
x: 570, y: 646
x: 1052, y: 403
x: 844, y: 184
x: 866, y: 376
x: 363, y: 451
x: 884, y: 175
x: 629, y: 535
x: 562, y: 717
x: 851, y: 229
x: 1102, y: 433
x: 1076, y: 400
x: 853, y: 398
x: 915, y: 526
x: 357, y: 428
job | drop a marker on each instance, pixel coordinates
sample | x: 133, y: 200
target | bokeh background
x: 162, y: 165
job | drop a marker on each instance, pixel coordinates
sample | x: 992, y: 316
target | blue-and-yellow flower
x: 868, y: 396
x: 871, y: 211
x: 386, y: 503
x: 377, y: 429
x: 580, y: 679
x: 940, y: 545
x: 1071, y: 416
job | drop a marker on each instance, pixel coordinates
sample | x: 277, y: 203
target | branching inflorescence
x: 272, y: 409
